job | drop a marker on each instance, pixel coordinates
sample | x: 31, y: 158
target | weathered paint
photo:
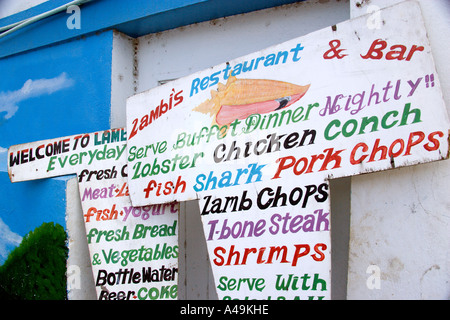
x: 133, y: 250
x: 359, y: 109
x: 399, y: 221
x: 157, y: 179
x: 53, y: 30
x: 425, y: 194
x: 216, y: 41
x: 142, y: 17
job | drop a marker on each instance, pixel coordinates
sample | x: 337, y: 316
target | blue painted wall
x: 25, y: 206
x: 54, y: 91
x: 134, y: 18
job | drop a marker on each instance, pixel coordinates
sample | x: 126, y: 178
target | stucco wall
x: 179, y: 52
x: 399, y: 222
x: 400, y: 219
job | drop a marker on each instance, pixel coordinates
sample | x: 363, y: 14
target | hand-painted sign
x: 133, y: 250
x: 67, y: 155
x: 352, y: 99
x: 256, y: 138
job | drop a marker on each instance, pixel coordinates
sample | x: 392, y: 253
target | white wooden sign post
x: 133, y: 250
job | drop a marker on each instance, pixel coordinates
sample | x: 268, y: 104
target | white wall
x: 180, y: 52
x: 400, y: 219
x: 10, y: 7
x: 123, y: 76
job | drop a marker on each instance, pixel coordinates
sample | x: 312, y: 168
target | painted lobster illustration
x: 240, y: 98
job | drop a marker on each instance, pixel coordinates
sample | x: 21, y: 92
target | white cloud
x: 3, y: 159
x: 31, y: 89
x: 8, y: 241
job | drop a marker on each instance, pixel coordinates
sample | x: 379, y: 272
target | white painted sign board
x: 346, y: 91
x: 133, y: 250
